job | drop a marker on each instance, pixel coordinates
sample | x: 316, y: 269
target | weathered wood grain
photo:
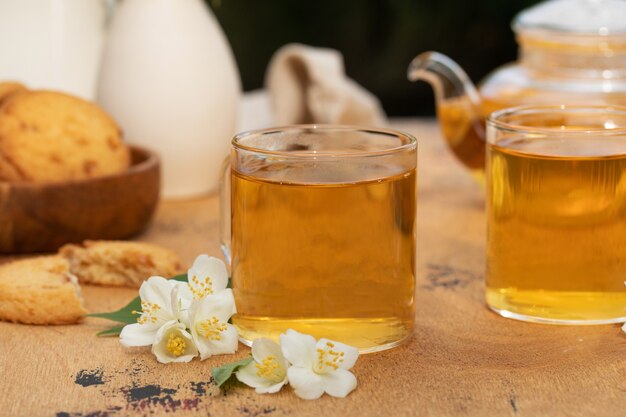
x: 463, y: 360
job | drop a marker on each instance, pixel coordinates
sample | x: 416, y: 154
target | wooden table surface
x: 462, y: 360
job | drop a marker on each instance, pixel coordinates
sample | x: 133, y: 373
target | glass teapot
x: 571, y: 52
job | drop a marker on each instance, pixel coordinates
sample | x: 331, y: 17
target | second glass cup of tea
x: 322, y: 233
x: 556, y: 214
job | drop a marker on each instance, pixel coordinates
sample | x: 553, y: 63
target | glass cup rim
x: 495, y: 120
x: 408, y: 146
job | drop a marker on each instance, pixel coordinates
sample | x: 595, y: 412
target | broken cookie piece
x: 40, y: 291
x: 120, y: 263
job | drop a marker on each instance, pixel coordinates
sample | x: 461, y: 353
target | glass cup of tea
x: 556, y: 214
x: 320, y: 233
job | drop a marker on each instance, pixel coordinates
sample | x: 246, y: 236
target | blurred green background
x: 378, y: 39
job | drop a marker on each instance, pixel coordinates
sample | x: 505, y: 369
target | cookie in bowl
x: 38, y: 217
x: 7, y: 88
x: 49, y: 137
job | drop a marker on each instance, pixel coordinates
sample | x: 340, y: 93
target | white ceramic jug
x: 169, y: 78
x: 53, y: 44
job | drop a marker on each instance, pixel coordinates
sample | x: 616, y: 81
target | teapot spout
x: 458, y: 107
x: 447, y: 78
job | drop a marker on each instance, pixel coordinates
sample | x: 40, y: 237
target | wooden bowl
x: 43, y: 217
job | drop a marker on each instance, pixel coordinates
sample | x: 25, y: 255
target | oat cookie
x: 47, y: 136
x: 9, y: 87
x: 120, y: 263
x: 39, y: 291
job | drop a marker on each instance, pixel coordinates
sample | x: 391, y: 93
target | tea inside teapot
x: 571, y: 52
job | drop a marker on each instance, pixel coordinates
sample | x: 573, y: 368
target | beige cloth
x: 309, y: 85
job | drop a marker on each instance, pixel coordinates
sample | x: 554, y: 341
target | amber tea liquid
x: 465, y: 132
x: 557, y: 229
x: 333, y: 259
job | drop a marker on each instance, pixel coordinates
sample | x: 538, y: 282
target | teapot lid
x: 585, y: 17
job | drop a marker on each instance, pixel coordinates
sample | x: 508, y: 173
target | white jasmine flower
x: 162, y: 301
x: 173, y: 343
x: 318, y: 367
x: 208, y: 322
x: 268, y: 371
x: 207, y: 276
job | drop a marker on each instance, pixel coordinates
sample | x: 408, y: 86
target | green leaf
x: 221, y: 374
x: 181, y: 277
x: 113, y: 331
x: 123, y: 315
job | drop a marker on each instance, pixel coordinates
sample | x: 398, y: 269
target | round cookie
x: 47, y: 136
x: 39, y: 291
x: 9, y: 87
x: 120, y: 263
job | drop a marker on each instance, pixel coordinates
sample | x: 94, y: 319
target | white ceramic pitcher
x: 52, y: 44
x: 169, y: 78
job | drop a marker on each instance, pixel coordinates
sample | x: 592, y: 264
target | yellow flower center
x: 148, y: 312
x: 201, y: 289
x: 211, y: 328
x: 176, y: 345
x: 328, y: 358
x: 270, y: 369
